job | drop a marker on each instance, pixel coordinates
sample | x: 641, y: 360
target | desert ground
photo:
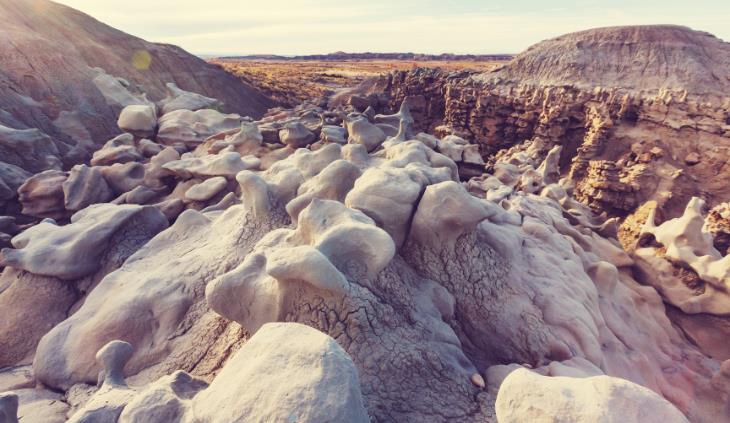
x: 292, y: 82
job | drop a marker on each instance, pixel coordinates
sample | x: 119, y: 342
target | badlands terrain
x: 291, y: 81
x: 544, y: 241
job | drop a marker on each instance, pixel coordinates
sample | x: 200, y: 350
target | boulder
x: 74, y: 250
x: 42, y: 195
x: 365, y: 133
x: 527, y: 396
x: 296, y: 135
x: 192, y: 128
x: 85, y: 186
x: 120, y: 149
x: 138, y: 120
x: 29, y: 149
x: 179, y: 99
x: 285, y: 372
x: 206, y: 190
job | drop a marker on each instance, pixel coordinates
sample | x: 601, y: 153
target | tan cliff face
x: 629, y: 132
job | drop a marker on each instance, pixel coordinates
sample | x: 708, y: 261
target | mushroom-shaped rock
x: 206, y: 190
x: 113, y: 396
x: 365, y: 133
x: 305, y: 263
x: 296, y: 135
x: 331, y: 242
x: 8, y: 408
x: 303, y: 374
x: 138, y: 120
x: 526, y: 396
x: 113, y: 357
x: 75, y: 250
x: 85, y: 186
x: 42, y: 195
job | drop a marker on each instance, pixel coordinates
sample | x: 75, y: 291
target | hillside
x: 59, y: 68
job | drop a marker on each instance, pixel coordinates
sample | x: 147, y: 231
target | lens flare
x: 141, y: 60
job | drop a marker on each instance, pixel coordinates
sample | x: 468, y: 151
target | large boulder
x: 526, y: 396
x: 285, y: 372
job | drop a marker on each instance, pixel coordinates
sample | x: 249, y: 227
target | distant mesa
x: 643, y: 58
x: 341, y: 55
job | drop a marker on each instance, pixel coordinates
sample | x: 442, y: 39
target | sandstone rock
x: 108, y: 402
x: 42, y: 195
x: 117, y: 150
x: 41, y: 405
x: 11, y: 178
x: 29, y: 149
x: 85, y: 186
x: 363, y: 132
x: 149, y: 148
x: 61, y: 73
x: 9, y: 408
x: 686, y: 242
x: 296, y: 135
x: 206, y: 190
x: 74, y: 250
x: 692, y: 159
x: 225, y: 164
x: 178, y: 99
x: 192, y: 128
x: 334, y: 134
x: 138, y: 120
x: 528, y: 396
x: 166, y: 400
x: 325, y: 389
x: 125, y: 177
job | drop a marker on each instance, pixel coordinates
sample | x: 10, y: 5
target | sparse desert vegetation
x: 291, y: 82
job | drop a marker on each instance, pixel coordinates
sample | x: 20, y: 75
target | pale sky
x: 422, y: 26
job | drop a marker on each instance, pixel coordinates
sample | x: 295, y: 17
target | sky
x: 292, y: 27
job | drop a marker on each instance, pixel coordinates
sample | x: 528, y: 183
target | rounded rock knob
x: 113, y: 357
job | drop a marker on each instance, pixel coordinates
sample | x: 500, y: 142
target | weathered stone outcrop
x: 596, y: 114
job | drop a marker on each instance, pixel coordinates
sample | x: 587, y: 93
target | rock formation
x: 327, y: 265
x: 66, y: 77
x: 641, y: 112
x: 388, y: 268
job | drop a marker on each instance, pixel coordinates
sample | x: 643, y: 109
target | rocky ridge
x: 66, y: 77
x: 642, y: 112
